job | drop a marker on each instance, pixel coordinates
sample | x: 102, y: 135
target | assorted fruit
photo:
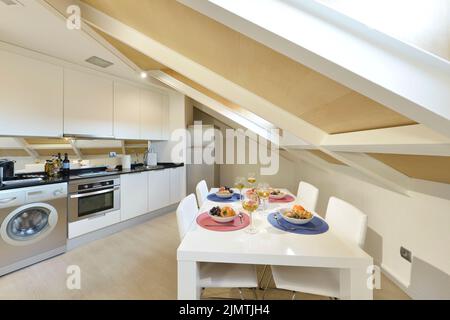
x: 298, y: 212
x: 223, y: 212
x: 275, y: 192
x: 225, y: 190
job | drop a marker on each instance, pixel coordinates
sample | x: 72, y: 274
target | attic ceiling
x: 418, y: 166
x: 301, y: 91
x: 141, y: 60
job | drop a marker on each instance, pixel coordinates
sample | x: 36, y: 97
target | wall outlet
x: 406, y: 254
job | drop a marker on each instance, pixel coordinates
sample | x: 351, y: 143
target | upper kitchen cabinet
x: 31, y: 97
x: 88, y: 104
x: 126, y: 111
x: 154, y: 115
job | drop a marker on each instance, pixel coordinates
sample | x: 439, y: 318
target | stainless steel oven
x: 93, y: 197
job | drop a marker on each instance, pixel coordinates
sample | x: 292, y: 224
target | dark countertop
x: 75, y: 174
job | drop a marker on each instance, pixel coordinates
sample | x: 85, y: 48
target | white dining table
x: 271, y: 246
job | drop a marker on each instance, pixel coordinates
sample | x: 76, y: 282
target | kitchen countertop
x: 75, y: 174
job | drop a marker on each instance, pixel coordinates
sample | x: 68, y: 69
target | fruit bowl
x: 277, y: 195
x: 222, y: 214
x: 224, y: 193
x: 292, y: 220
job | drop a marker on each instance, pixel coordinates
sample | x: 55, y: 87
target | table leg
x: 354, y: 284
x: 188, y: 280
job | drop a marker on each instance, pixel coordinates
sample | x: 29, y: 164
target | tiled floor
x: 137, y: 263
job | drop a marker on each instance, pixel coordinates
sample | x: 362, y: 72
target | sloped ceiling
x: 417, y: 166
x: 303, y: 92
x: 141, y: 60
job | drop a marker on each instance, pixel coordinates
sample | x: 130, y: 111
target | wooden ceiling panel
x: 326, y: 157
x: 142, y: 61
x: 292, y: 86
x: 354, y: 111
x: 432, y: 168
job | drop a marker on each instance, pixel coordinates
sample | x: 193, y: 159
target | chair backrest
x: 308, y: 195
x: 202, y: 192
x: 186, y: 213
x: 346, y: 221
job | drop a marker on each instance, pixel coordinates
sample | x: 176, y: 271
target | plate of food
x: 296, y: 215
x: 224, y: 193
x: 277, y: 194
x: 222, y: 214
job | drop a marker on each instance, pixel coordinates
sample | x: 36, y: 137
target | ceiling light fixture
x: 144, y: 75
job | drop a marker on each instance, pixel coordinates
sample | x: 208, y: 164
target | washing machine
x: 33, y: 225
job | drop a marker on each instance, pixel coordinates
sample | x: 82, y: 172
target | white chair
x: 349, y: 224
x: 308, y: 195
x: 215, y: 275
x: 202, y: 192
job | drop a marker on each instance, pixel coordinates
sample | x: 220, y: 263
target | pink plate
x: 287, y: 198
x: 205, y: 221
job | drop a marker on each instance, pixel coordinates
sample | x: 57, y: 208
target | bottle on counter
x: 66, y: 166
x: 60, y: 161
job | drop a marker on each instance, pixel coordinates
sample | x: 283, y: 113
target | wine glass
x: 251, y: 179
x: 250, y: 204
x: 263, y: 191
x: 239, y: 184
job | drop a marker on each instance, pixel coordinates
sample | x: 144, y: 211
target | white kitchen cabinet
x: 154, y: 115
x: 158, y: 189
x: 133, y: 194
x: 88, y: 225
x: 126, y: 111
x: 177, y: 184
x: 88, y: 104
x: 31, y: 97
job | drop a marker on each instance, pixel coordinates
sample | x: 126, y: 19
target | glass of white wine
x: 251, y: 179
x: 239, y: 184
x: 263, y: 191
x: 251, y: 204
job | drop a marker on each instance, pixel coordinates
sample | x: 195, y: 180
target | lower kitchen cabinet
x: 176, y: 184
x: 134, y: 194
x: 85, y: 226
x: 158, y: 189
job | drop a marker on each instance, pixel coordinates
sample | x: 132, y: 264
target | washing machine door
x: 28, y: 224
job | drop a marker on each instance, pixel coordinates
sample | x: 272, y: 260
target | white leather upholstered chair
x: 202, y: 192
x: 215, y: 275
x: 349, y: 224
x: 308, y: 195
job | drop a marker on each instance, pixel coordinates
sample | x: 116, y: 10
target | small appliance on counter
x: 126, y: 162
x: 8, y: 168
x: 150, y: 158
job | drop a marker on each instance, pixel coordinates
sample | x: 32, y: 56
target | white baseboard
x: 401, y: 284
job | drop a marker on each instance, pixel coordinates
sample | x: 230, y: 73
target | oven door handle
x: 83, y: 195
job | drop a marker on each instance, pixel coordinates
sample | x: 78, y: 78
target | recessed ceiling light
x: 99, y: 62
x: 143, y: 75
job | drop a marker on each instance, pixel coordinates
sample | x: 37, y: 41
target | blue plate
x: 315, y: 226
x: 234, y: 198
